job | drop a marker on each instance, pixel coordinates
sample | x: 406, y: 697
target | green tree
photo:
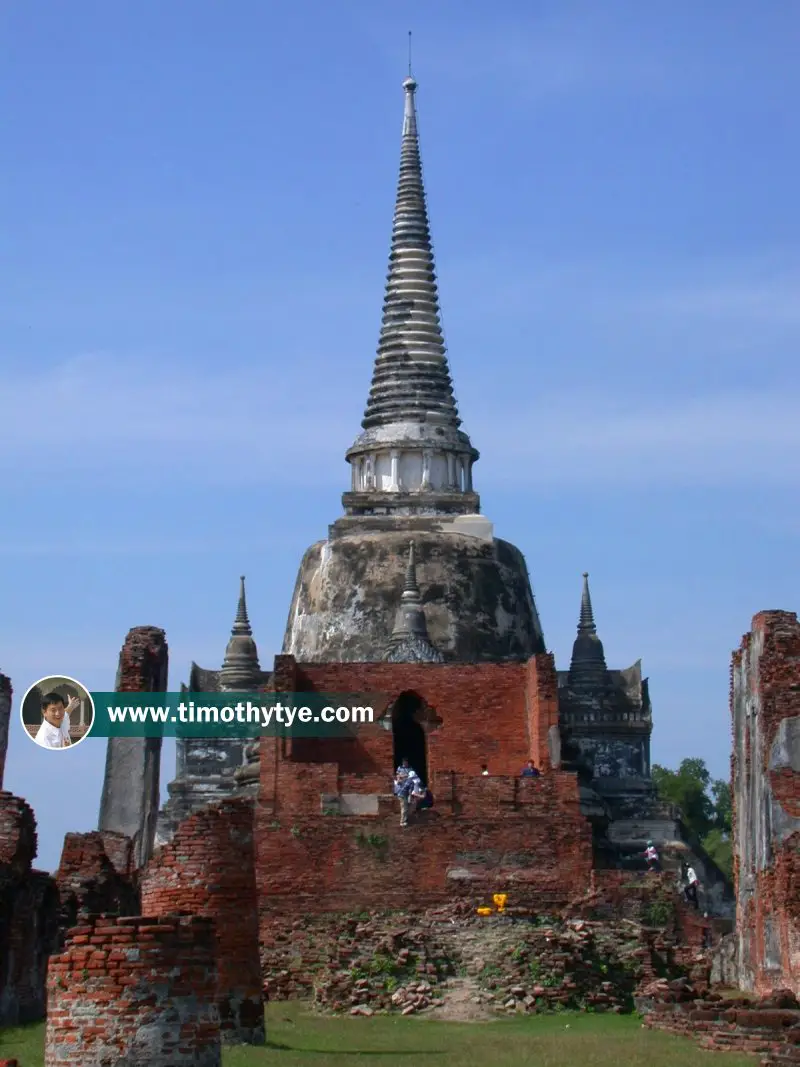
x: 687, y: 788
x: 705, y: 805
x: 723, y: 806
x: 720, y: 848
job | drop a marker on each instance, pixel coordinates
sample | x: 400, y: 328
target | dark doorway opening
x: 409, y: 736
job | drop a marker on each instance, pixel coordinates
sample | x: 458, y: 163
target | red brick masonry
x: 770, y: 1026
x: 489, y: 834
x: 765, y: 706
x: 87, y: 879
x: 208, y: 869
x: 135, y: 991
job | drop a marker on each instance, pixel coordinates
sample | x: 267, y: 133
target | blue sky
x: 196, y: 204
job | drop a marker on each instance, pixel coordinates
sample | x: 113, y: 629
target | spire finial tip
x: 585, y: 574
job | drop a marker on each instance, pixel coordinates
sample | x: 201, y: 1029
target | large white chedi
x: 412, y: 480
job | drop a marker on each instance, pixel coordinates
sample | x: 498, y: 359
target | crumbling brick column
x: 209, y: 869
x: 88, y: 881
x: 18, y: 842
x: 5, y: 718
x: 130, y: 799
x: 765, y: 709
x: 134, y: 992
x: 28, y: 916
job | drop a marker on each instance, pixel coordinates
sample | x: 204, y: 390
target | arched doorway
x: 409, y: 735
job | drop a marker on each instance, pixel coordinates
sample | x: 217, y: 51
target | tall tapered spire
x: 411, y: 445
x: 240, y: 669
x: 411, y: 378
x: 410, y: 642
x: 586, y: 621
x: 588, y: 670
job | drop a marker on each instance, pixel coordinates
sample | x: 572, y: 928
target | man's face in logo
x: 54, y: 713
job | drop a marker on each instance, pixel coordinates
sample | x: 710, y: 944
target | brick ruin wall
x: 131, y: 785
x: 328, y: 838
x: 768, y: 1026
x: 765, y: 710
x: 95, y: 874
x: 499, y: 714
x: 208, y: 869
x: 135, y: 990
x: 28, y: 916
x: 525, y: 837
x: 299, y: 864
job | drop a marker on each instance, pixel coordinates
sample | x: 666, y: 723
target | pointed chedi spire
x: 410, y: 642
x: 411, y: 448
x: 411, y: 378
x: 586, y: 620
x: 588, y: 672
x: 240, y: 669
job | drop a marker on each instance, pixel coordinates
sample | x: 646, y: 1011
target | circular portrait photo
x: 57, y: 712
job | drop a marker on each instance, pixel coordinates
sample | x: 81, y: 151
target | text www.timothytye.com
x: 265, y: 715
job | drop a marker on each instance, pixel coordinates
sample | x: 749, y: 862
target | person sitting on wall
x: 484, y: 770
x: 530, y: 770
x: 691, y: 886
x: 54, y: 731
x: 403, y: 788
x: 422, y: 795
x: 651, y: 855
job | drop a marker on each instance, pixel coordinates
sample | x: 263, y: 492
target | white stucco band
x: 412, y: 457
x: 410, y: 471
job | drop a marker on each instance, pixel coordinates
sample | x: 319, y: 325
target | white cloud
x: 151, y: 418
x: 164, y: 423
x: 606, y: 438
x: 155, y: 421
x: 758, y: 292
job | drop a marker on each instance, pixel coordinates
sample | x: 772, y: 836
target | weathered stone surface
x: 605, y: 714
x: 130, y: 799
x: 476, y: 594
x: 765, y: 710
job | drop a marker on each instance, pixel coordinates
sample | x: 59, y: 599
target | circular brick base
x: 138, y: 992
x: 209, y: 869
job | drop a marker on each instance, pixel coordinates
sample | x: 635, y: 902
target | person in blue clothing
x: 409, y: 786
x: 404, y: 783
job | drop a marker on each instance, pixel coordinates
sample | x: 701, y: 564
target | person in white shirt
x: 692, y: 884
x: 54, y: 731
x: 651, y: 855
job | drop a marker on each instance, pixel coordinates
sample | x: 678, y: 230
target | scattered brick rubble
x: 406, y: 963
x: 769, y: 1025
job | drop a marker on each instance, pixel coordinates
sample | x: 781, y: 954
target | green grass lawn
x: 300, y: 1039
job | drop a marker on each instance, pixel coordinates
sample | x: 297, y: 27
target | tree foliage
x: 705, y: 806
